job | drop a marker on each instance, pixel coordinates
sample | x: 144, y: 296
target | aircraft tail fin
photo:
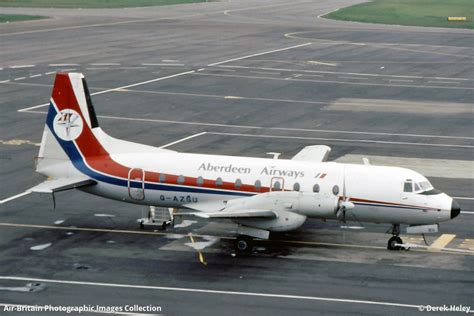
x: 68, y: 134
x: 73, y: 143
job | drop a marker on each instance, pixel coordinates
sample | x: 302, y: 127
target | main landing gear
x: 395, y: 242
x: 244, y: 244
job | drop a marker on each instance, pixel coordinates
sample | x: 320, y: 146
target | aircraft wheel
x: 243, y: 244
x: 392, y: 243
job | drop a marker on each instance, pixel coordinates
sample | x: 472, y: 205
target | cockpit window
x: 417, y: 187
x: 426, y: 186
x: 407, y: 187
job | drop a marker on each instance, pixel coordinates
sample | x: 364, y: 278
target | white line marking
x: 333, y: 72
x: 325, y: 13
x: 36, y: 76
x: 22, y: 66
x: 306, y: 75
x: 63, y: 65
x: 413, y: 77
x: 259, y: 54
x: 15, y: 197
x: 448, y: 82
x: 266, y: 128
x: 339, y: 82
x: 183, y: 139
x: 105, y: 64
x: 4, y: 81
x: 398, y: 80
x: 356, y: 78
x: 118, y: 88
x: 315, y: 62
x: 443, y: 78
x: 19, y: 78
x: 467, y: 212
x: 145, y: 82
x: 1, y: 68
x: 462, y: 198
x: 50, y: 73
x: 265, y: 72
x: 207, y: 291
x: 170, y: 60
x: 163, y: 64
x: 341, y: 140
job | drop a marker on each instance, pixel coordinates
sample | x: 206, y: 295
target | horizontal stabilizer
x: 316, y: 153
x: 234, y: 214
x: 62, y: 184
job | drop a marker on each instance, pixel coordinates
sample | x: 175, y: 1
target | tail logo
x: 68, y: 125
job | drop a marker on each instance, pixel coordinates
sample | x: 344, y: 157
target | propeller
x: 344, y: 201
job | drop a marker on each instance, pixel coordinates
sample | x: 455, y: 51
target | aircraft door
x: 136, y: 184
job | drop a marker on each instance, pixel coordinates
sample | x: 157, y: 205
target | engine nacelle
x: 285, y: 221
x: 292, y: 209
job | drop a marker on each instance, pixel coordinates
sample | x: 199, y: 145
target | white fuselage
x: 376, y: 191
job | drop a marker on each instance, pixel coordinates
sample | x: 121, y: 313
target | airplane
x: 261, y: 195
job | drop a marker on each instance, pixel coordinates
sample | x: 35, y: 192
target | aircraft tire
x: 243, y: 244
x: 392, y: 243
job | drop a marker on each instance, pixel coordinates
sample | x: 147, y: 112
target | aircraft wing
x: 234, y: 214
x: 61, y: 184
x: 316, y: 153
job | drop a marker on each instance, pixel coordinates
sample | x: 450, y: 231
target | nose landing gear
x: 395, y: 242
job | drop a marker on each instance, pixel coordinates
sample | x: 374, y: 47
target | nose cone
x: 455, y: 209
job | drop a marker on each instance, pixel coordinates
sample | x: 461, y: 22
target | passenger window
x: 162, y: 178
x: 335, y: 190
x: 219, y: 182
x: 238, y: 183
x: 296, y: 186
x: 407, y: 187
x: 180, y: 179
x: 258, y: 185
x: 316, y: 188
x: 276, y: 186
x: 200, y: 181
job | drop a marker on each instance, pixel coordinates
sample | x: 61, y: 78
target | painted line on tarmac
x: 153, y: 233
x: 15, y: 197
x: 259, y: 54
x: 183, y: 139
x: 209, y: 291
x: 339, y: 72
x: 441, y: 242
x: 288, y: 129
x: 337, y: 82
x: 343, y: 140
x: 118, y: 88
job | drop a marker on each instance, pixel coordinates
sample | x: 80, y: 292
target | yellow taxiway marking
x: 467, y: 244
x: 201, y: 257
x: 294, y: 242
x: 441, y: 242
